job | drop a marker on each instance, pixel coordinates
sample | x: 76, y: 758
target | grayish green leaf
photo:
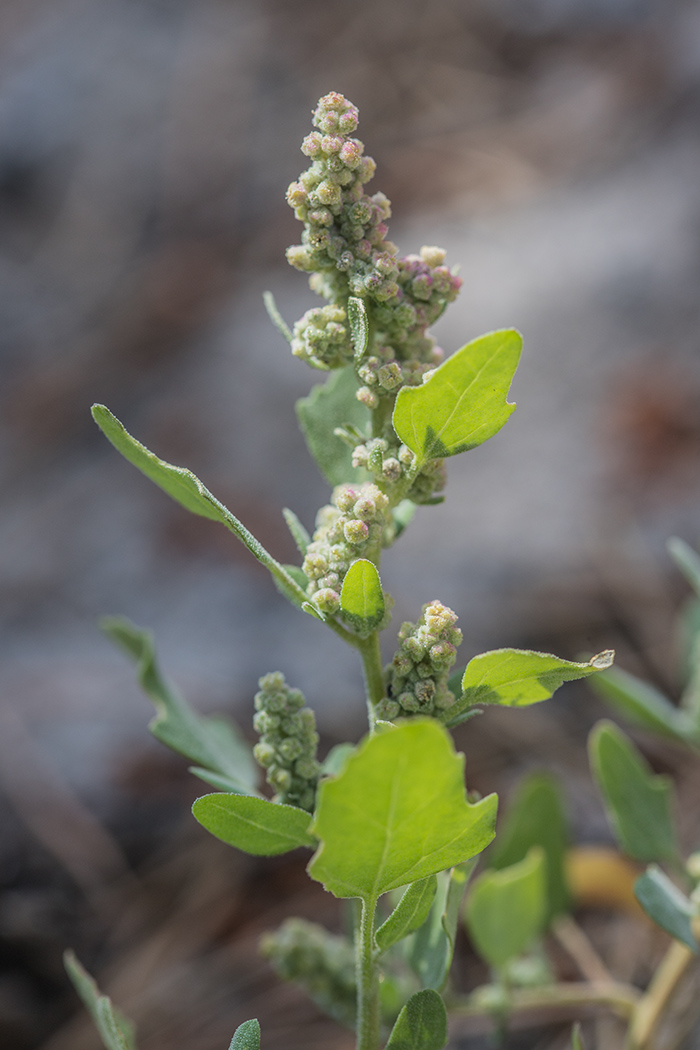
x: 667, y: 906
x: 246, y: 1036
x: 319, y: 413
x: 506, y: 909
x: 430, y: 954
x: 254, y: 825
x: 464, y: 402
x: 212, y: 743
x: 361, y: 597
x: 299, y: 533
x: 403, y: 515
x: 115, y: 1031
x: 276, y: 317
x: 638, y: 803
x: 687, y: 560
x: 410, y: 913
x: 359, y: 326
x: 641, y: 703
x: 188, y: 490
x: 421, y: 1025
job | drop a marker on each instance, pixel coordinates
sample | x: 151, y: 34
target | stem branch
x: 374, y: 674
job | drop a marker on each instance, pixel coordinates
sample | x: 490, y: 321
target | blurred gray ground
x: 145, y: 148
x: 552, y: 146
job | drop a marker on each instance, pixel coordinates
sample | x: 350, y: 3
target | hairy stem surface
x: 367, y: 981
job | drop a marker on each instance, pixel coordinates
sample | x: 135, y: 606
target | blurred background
x: 553, y: 148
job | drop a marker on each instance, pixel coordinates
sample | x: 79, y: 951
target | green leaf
x: 299, y: 533
x: 421, y: 1025
x: 115, y: 1031
x: 410, y: 913
x: 397, y: 813
x: 188, y: 490
x: 254, y: 825
x: 464, y: 402
x: 641, y: 704
x: 359, y: 326
x: 276, y: 317
x: 667, y: 906
x: 519, y: 677
x: 638, y: 803
x: 687, y: 560
x: 430, y: 955
x: 536, y: 817
x: 328, y: 405
x: 361, y: 597
x: 246, y: 1036
x: 506, y: 909
x: 335, y: 759
x: 403, y: 514
x: 576, y: 1040
x: 212, y: 743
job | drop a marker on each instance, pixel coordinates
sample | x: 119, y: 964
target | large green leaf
x: 421, y: 1025
x: 638, y: 803
x: 254, y: 825
x: 642, y: 704
x: 506, y: 909
x: 519, y: 677
x: 115, y: 1031
x: 214, y: 744
x: 535, y: 817
x: 397, y: 813
x: 361, y: 597
x: 667, y: 906
x: 329, y: 405
x: 186, y: 489
x: 430, y: 954
x: 410, y: 913
x: 246, y: 1036
x: 464, y: 402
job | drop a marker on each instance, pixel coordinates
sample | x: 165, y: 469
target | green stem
x: 658, y: 996
x: 367, y: 981
x: 374, y: 674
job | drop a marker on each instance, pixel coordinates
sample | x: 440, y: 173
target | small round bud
x: 365, y: 508
x: 432, y: 256
x: 345, y: 497
x: 327, y: 600
x: 367, y: 397
x: 391, y: 469
x: 264, y: 754
x: 356, y: 532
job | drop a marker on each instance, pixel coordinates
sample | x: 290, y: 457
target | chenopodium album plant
x: 388, y: 822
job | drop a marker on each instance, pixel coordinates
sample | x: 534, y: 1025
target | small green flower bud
x: 356, y: 532
x: 264, y: 754
x: 367, y: 397
x: 432, y: 256
x: 387, y: 709
x: 280, y: 779
x: 391, y: 469
x: 365, y: 509
x: 327, y: 600
x: 290, y: 749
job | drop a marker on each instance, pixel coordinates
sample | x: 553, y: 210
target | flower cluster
x: 322, y: 338
x: 288, y: 741
x: 389, y: 462
x: 417, y: 676
x: 354, y: 523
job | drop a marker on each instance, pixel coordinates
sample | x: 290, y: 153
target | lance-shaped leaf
x: 638, y: 803
x: 397, y: 813
x: 667, y: 906
x: 115, y: 1031
x: 276, y: 317
x: 299, y: 533
x: 213, y: 744
x: 687, y: 560
x: 519, y: 677
x: 506, y: 909
x: 187, y: 490
x: 359, y: 326
x: 246, y: 1036
x: 410, y: 913
x: 421, y: 1025
x: 430, y: 954
x: 254, y: 825
x: 642, y: 704
x: 535, y: 817
x: 329, y: 405
x: 464, y: 402
x: 361, y: 597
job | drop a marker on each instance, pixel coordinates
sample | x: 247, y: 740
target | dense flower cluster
x: 322, y: 338
x: 288, y: 741
x: 354, y: 523
x: 345, y: 249
x: 389, y: 462
x: 417, y: 677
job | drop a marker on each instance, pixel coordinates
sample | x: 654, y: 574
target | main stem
x: 374, y: 674
x: 367, y: 980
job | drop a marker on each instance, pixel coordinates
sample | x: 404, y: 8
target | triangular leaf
x: 667, y: 906
x: 246, y: 1036
x: 187, y: 490
x: 638, y: 803
x: 359, y: 326
x: 519, y: 677
x: 410, y: 913
x: 506, y: 909
x: 115, y: 1031
x: 361, y: 597
x: 212, y: 743
x: 464, y: 402
x: 397, y: 813
x: 254, y: 825
x: 535, y: 817
x: 421, y: 1025
x: 328, y: 405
